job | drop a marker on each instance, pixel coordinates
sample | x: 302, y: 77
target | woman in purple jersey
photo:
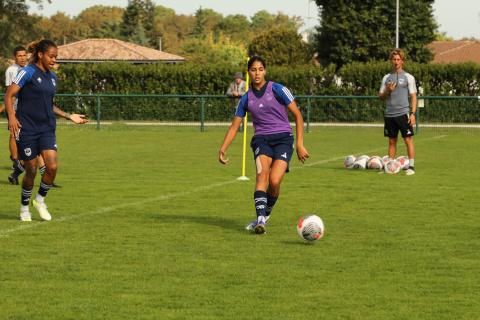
x: 33, y: 124
x: 272, y: 143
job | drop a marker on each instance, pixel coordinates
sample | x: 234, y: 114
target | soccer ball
x: 404, y: 162
x: 375, y: 162
x: 385, y: 159
x: 310, y: 228
x: 349, y: 161
x: 361, y: 162
x: 392, y: 167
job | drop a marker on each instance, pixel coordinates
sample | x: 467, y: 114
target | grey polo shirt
x: 397, y: 100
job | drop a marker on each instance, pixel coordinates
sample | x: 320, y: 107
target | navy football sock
x: 271, y: 200
x: 260, y: 198
x: 44, y: 189
x: 26, y: 195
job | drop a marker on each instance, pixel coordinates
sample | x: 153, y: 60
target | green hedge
x: 353, y: 79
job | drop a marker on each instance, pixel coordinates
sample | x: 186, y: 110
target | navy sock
x: 271, y: 200
x: 44, y: 189
x: 42, y: 170
x: 260, y: 198
x: 18, y: 169
x: 26, y: 195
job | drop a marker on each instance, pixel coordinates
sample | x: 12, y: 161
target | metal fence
x: 213, y: 110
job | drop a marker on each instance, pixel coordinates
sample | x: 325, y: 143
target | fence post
x: 202, y: 114
x: 308, y: 113
x: 99, y: 112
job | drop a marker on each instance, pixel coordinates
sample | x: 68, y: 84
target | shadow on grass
x: 205, y: 220
x: 4, y: 216
x: 298, y: 243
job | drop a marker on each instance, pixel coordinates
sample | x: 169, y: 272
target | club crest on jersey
x: 401, y: 81
x: 39, y: 80
x: 54, y: 82
x: 28, y: 152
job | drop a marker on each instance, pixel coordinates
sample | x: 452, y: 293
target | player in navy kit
x: 34, y: 123
x: 272, y: 143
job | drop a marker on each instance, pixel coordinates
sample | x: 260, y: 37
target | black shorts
x: 32, y: 144
x: 395, y: 124
x: 276, y: 146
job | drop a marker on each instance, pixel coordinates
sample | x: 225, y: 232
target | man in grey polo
x: 399, y: 90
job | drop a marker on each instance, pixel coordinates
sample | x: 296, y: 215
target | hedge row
x: 353, y: 79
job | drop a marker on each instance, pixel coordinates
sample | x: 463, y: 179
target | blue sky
x: 459, y: 18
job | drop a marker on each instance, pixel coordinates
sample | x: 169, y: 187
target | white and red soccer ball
x: 392, y: 167
x: 375, y: 163
x: 361, y: 162
x: 404, y: 162
x: 349, y: 161
x: 310, y: 228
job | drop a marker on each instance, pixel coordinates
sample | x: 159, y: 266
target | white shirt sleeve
x: 412, y: 87
x: 384, y: 84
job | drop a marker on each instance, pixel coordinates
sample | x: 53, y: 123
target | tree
x: 262, y: 21
x: 172, y: 28
x: 101, y: 21
x: 16, y: 26
x: 280, y: 47
x: 364, y: 30
x: 206, y: 21
x: 138, y: 20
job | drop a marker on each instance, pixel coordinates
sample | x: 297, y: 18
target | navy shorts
x: 30, y: 145
x: 395, y: 124
x: 278, y: 146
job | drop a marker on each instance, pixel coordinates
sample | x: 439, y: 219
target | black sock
x: 270, y: 203
x: 260, y: 198
x: 42, y: 170
x: 44, y: 189
x: 17, y: 170
x: 26, y: 195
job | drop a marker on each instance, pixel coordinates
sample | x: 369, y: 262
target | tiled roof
x: 455, y: 51
x: 97, y: 50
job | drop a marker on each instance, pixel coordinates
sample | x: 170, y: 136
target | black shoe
x: 13, y: 180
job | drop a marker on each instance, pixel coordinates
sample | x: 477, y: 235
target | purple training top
x: 268, y: 110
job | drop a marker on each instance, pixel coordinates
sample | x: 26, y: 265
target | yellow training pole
x: 243, y: 177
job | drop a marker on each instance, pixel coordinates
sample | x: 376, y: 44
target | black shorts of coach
x: 395, y: 124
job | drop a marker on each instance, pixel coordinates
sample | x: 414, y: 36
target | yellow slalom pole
x: 243, y: 177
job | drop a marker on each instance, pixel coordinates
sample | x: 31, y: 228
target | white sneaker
x: 410, y: 171
x: 42, y: 210
x: 253, y: 223
x: 25, y: 215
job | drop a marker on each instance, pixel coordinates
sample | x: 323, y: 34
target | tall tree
x: 16, y: 26
x: 280, y: 47
x: 138, y: 20
x: 364, y: 30
x: 101, y: 21
x: 206, y: 21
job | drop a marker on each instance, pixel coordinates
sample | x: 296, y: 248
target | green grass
x: 148, y: 225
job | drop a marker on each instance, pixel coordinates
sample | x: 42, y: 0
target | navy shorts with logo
x: 395, y: 124
x: 278, y: 146
x: 30, y: 145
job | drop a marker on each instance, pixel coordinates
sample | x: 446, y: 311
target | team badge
x: 54, y: 82
x: 257, y: 150
x: 39, y: 80
x: 28, y: 152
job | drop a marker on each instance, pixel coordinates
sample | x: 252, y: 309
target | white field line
x: 34, y: 224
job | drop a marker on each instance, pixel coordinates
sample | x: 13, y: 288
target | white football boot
x: 42, y: 209
x: 410, y: 171
x: 25, y: 214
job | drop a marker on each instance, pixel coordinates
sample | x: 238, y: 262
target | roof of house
x: 101, y: 50
x: 455, y: 51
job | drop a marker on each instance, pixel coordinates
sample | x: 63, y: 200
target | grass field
x: 148, y: 225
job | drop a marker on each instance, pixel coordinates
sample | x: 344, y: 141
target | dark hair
x: 39, y: 46
x: 18, y: 48
x: 256, y: 58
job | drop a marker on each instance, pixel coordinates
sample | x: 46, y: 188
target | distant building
x: 455, y: 51
x: 112, y: 50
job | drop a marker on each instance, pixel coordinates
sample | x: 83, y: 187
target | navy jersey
x: 35, y: 99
